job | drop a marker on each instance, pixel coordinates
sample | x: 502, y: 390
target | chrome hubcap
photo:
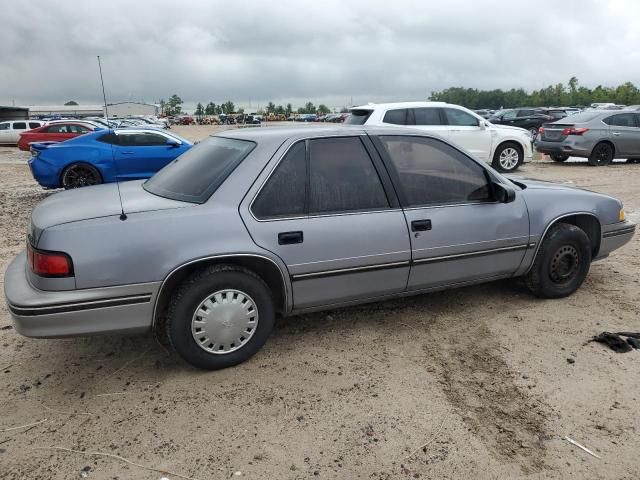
x: 224, y: 321
x: 509, y: 158
x: 564, y: 264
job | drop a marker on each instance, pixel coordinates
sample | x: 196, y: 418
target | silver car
x: 250, y: 224
x: 599, y: 135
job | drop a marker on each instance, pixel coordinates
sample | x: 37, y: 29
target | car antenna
x: 123, y: 216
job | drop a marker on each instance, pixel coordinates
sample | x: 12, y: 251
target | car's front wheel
x: 220, y: 317
x: 80, y: 175
x: 562, y: 262
x: 508, y: 157
x: 558, y: 157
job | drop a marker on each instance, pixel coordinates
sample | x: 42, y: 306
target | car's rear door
x: 16, y: 129
x: 459, y: 233
x: 624, y: 131
x: 467, y: 132
x: 328, y: 211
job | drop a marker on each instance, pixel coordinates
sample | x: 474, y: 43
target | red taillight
x: 541, y: 130
x: 574, y: 131
x: 49, y: 264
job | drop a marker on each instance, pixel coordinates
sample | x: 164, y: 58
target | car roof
x: 373, y: 106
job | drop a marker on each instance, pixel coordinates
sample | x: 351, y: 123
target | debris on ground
x: 614, y: 341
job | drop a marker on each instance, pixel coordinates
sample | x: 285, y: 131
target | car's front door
x: 5, y: 133
x: 325, y: 211
x: 467, y: 132
x: 141, y: 154
x: 624, y: 131
x: 459, y: 233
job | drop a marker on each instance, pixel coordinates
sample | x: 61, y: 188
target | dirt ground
x: 488, y: 378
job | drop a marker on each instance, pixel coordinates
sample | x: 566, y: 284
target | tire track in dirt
x: 482, y: 388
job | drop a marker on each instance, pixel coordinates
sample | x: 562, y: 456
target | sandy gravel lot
x: 490, y: 378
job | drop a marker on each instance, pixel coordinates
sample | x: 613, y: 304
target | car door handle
x: 290, y: 238
x: 127, y: 153
x: 617, y: 134
x: 420, y: 225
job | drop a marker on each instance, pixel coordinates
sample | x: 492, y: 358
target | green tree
x: 288, y: 109
x: 163, y: 106
x: 323, y: 109
x: 71, y: 102
x: 271, y: 107
x: 309, y: 108
x: 210, y: 109
x: 280, y: 110
x: 199, y: 110
x: 228, y: 107
x: 174, y: 105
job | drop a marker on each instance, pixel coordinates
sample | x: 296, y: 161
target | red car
x: 54, y: 132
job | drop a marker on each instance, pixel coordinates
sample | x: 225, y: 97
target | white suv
x: 503, y: 146
x: 10, y: 131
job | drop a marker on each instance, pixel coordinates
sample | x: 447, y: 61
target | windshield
x: 197, y: 173
x: 583, y: 117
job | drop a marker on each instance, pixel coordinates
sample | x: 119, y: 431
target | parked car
x: 307, y: 117
x: 486, y: 114
x: 10, y: 131
x: 252, y: 223
x: 58, y: 131
x: 506, y: 148
x: 598, y: 135
x: 104, y: 156
x: 528, y: 118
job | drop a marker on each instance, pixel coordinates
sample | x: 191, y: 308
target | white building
x: 122, y: 109
x: 127, y: 109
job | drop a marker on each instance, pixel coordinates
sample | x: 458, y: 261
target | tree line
x: 558, y: 95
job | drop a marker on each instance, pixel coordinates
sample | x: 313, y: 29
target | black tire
x: 534, y: 132
x: 79, y: 175
x: 501, y: 166
x: 558, y: 157
x: 189, y: 296
x: 601, y: 155
x: 562, y: 262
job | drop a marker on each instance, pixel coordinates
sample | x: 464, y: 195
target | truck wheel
x: 562, y: 262
x: 220, y: 316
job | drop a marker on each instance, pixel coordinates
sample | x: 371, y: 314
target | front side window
x: 19, y: 126
x: 426, y: 116
x: 621, y: 120
x: 430, y: 172
x: 509, y: 115
x: 142, y: 139
x: 5, y: 126
x: 460, y: 118
x: 396, y: 117
x: 283, y: 195
x: 196, y: 174
x: 526, y: 113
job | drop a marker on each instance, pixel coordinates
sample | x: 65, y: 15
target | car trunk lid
x: 553, y: 132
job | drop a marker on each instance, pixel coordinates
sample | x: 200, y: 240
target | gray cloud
x: 323, y: 51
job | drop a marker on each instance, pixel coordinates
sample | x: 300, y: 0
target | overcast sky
x: 295, y: 51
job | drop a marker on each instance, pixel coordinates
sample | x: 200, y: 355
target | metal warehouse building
x: 67, y: 110
x: 126, y: 109
x: 13, y: 113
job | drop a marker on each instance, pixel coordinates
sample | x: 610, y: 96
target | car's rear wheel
x: 220, y: 317
x: 80, y: 175
x: 601, y: 155
x: 562, y: 262
x: 558, y: 157
x: 534, y: 132
x: 508, y: 157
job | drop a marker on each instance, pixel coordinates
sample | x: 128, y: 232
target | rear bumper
x: 47, y: 314
x: 615, y: 236
x: 562, y: 148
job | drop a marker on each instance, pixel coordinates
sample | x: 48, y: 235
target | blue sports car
x: 104, y: 156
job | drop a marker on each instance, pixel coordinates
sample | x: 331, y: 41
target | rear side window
x: 110, y: 138
x: 426, y: 116
x: 460, y: 118
x: 142, y: 139
x: 33, y: 125
x: 527, y: 113
x: 58, y: 129
x: 396, y: 117
x: 78, y: 129
x: 621, y: 120
x: 284, y: 193
x: 430, y: 172
x: 358, y: 117
x: 342, y: 177
x: 196, y: 174
x: 19, y: 126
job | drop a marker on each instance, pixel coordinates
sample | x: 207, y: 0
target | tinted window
x: 430, y: 172
x: 509, y: 114
x: 583, y: 117
x: 197, y: 173
x: 58, y: 129
x: 284, y: 193
x: 358, y: 117
x: 426, y: 116
x: 621, y: 120
x: 110, y: 138
x: 19, y: 126
x: 142, y: 139
x: 4, y: 126
x: 460, y: 118
x: 527, y: 113
x: 33, y: 125
x: 396, y: 117
x: 342, y: 177
x: 78, y: 129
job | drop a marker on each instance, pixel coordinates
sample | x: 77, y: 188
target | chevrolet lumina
x: 250, y: 224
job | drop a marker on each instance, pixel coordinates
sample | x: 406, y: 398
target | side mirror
x: 173, y: 143
x: 504, y: 193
